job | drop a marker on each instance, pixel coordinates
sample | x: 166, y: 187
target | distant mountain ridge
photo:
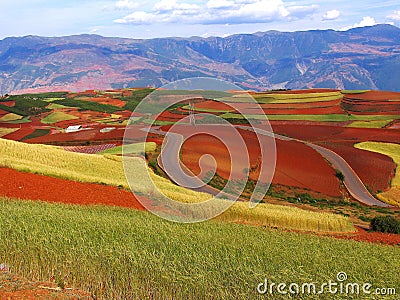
x: 360, y: 58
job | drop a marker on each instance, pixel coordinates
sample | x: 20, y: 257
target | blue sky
x: 161, y: 18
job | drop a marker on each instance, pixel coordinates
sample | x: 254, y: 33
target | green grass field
x: 108, y: 169
x: 210, y: 110
x: 116, y: 253
x: 354, y: 91
x: 56, y: 106
x: 136, y: 148
x: 317, y: 118
x: 57, y: 116
x: 52, y: 99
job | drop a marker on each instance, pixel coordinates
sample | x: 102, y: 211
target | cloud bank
x: 216, y: 12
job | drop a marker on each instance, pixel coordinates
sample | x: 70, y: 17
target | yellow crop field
x: 369, y: 124
x: 10, y: 117
x: 393, y: 151
x: 297, y: 98
x: 5, y: 131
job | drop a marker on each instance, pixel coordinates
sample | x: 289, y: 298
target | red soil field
x: 300, y: 166
x: 319, y: 104
x: 375, y: 95
x: 19, y: 134
x: 168, y: 116
x: 297, y: 165
x: 8, y: 103
x: 373, y: 102
x: 315, y: 133
x: 363, y: 235
x: 374, y: 169
x: 28, y: 186
x: 329, y: 107
x: 305, y: 111
x: 217, y: 105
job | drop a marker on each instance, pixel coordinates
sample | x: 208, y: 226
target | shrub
x: 388, y: 224
x: 339, y: 175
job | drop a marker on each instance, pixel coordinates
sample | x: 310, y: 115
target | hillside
x: 360, y: 58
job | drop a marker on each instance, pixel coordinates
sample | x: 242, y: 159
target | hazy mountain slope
x: 361, y: 58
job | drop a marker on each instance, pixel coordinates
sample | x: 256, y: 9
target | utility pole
x: 192, y: 113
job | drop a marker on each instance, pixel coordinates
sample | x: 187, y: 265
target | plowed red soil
x: 363, y: 235
x: 375, y: 95
x: 318, y: 104
x: 297, y: 165
x: 373, y: 102
x: 168, y: 116
x: 15, y: 184
x: 8, y: 103
x: 19, y: 134
x: 374, y: 169
x: 306, y: 111
x: 315, y: 133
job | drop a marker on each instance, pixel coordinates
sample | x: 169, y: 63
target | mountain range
x: 360, y: 58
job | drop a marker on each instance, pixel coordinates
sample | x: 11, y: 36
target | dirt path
x: 16, y: 288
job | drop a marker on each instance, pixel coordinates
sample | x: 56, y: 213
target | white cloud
x: 301, y: 11
x: 331, y: 15
x: 366, y: 21
x: 219, y: 12
x: 126, y: 4
x: 217, y: 4
x: 138, y: 17
x: 394, y: 16
x: 172, y: 5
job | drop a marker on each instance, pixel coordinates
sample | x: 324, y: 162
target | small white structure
x: 107, y: 129
x: 74, y: 128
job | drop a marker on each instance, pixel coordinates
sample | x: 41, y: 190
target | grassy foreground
x: 124, y: 254
x: 393, y: 151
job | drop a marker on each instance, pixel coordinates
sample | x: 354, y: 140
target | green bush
x: 388, y: 224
